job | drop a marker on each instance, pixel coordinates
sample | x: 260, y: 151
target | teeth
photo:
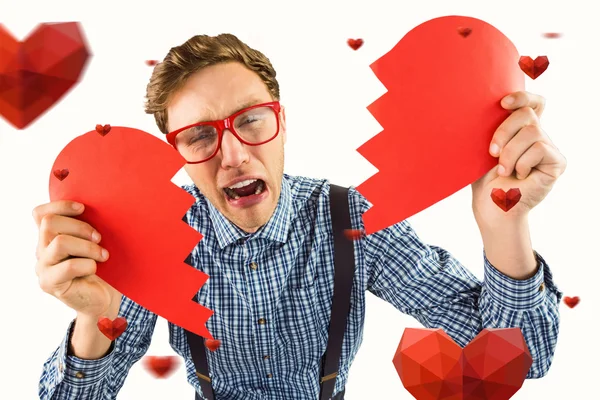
x: 259, y: 187
x: 242, y: 183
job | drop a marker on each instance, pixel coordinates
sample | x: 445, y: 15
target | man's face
x: 214, y: 93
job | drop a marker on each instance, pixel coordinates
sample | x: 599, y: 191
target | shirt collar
x: 276, y: 229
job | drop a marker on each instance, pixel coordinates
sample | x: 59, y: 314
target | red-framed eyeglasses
x: 253, y: 126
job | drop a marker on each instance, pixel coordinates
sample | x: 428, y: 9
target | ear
x: 282, y: 124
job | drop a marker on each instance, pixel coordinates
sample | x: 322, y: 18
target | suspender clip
x: 328, y: 377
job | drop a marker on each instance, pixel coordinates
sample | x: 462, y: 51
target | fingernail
x: 509, y: 100
x: 96, y: 236
x: 77, y: 206
x: 501, y: 170
x: 104, y: 254
x: 494, y: 148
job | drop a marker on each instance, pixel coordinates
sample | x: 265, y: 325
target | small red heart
x: 160, y: 367
x: 571, y: 301
x: 355, y: 44
x: 151, y: 63
x: 103, y: 130
x: 61, y: 174
x: 532, y: 68
x: 552, y: 35
x: 464, y: 32
x: 212, y: 344
x: 353, y: 234
x: 112, y: 329
x: 506, y: 200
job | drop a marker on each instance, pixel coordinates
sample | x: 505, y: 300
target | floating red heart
x: 571, y: 302
x: 506, y: 200
x: 532, y: 68
x: 552, y: 35
x: 355, y: 44
x: 353, y: 234
x: 464, y: 32
x: 151, y: 63
x: 112, y: 329
x: 103, y: 130
x: 61, y: 174
x: 433, y: 367
x: 39, y: 71
x: 439, y: 114
x: 212, y: 344
x: 161, y: 366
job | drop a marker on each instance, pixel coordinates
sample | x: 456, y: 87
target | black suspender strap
x: 198, y: 351
x: 342, y: 287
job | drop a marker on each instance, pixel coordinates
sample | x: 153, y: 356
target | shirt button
x: 254, y: 266
x: 266, y: 357
x: 269, y: 375
x: 262, y: 321
x: 542, y: 287
x: 79, y: 375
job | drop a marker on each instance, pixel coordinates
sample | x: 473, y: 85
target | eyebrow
x: 242, y: 105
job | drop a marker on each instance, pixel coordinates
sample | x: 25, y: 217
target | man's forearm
x: 87, y: 342
x: 507, y: 246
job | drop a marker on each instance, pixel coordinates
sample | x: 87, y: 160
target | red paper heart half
x: 124, y: 181
x: 161, y: 366
x: 440, y: 111
x: 212, y: 344
x: 112, y: 329
x: 433, y: 367
x: 36, y: 73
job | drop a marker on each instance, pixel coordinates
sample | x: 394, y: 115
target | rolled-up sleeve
x: 428, y: 283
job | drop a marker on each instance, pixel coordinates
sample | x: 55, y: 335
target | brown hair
x: 198, y: 52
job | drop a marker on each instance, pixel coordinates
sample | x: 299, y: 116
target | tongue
x: 247, y: 190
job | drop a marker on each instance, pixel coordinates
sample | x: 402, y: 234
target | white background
x: 306, y: 42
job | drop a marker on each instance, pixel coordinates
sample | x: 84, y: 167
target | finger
x: 52, y: 277
x: 518, y: 145
x: 541, y: 158
x: 510, y: 127
x: 61, y: 207
x: 65, y: 246
x: 53, y: 224
x: 524, y: 99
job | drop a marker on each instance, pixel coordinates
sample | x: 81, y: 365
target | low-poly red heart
x: 440, y: 111
x: 61, y: 174
x: 532, y: 68
x: 161, y: 366
x: 112, y: 329
x: 571, y: 302
x: 464, y: 31
x: 355, y: 44
x: 212, y: 344
x: 493, y: 366
x: 103, y: 129
x: 353, y: 234
x: 506, y: 200
x: 36, y: 73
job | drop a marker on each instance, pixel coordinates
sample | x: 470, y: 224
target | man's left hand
x: 527, y: 159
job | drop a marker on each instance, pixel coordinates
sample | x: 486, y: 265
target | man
x: 268, y: 247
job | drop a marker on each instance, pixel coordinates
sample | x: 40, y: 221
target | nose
x: 233, y: 152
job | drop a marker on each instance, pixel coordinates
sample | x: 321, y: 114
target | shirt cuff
x: 79, y: 372
x: 519, y: 294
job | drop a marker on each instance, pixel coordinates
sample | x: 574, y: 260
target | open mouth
x: 251, y: 189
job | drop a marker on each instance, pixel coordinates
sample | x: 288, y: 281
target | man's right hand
x: 68, y: 252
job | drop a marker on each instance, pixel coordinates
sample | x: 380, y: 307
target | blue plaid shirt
x: 291, y: 286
